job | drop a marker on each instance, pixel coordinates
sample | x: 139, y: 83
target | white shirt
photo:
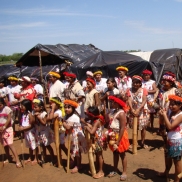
x: 57, y: 89
x: 124, y: 83
x: 12, y: 90
x: 3, y: 92
x: 100, y: 86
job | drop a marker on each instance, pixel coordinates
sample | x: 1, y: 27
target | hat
x: 137, y: 77
x: 121, y: 68
x: 97, y: 72
x: 89, y: 73
x: 55, y: 74
x: 72, y: 75
x: 146, y: 72
x: 175, y: 98
x: 26, y: 79
x: 169, y: 76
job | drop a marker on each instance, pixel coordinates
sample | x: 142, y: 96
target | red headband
x: 72, y: 75
x: 91, y: 81
x: 171, y: 74
x: 137, y: 77
x: 99, y: 116
x: 120, y: 102
x: 147, y: 72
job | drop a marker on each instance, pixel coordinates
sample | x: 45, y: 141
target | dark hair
x: 2, y: 80
x: 137, y: 81
x: 113, y: 81
x: 94, y: 110
x: 2, y: 101
x: 28, y: 104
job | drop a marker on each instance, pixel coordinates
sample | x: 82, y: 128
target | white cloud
x: 49, y: 12
x: 23, y: 25
x: 178, y: 1
x: 141, y: 26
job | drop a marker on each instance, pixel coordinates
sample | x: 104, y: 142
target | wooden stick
x: 90, y: 153
x: 134, y: 149
x: 68, y: 157
x: 56, y: 133
x: 22, y: 151
x: 2, y: 153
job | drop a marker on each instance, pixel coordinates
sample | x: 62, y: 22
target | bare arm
x: 154, y: 89
x: 94, y: 128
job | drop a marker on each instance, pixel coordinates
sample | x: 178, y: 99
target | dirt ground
x: 141, y: 167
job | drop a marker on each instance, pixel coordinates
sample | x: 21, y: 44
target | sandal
x: 6, y: 161
x: 18, y: 165
x: 112, y: 174
x: 27, y: 161
x: 144, y: 146
x: 98, y: 175
x: 123, y: 177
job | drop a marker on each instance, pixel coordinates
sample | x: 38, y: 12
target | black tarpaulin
x: 56, y: 54
x: 166, y: 60
x: 107, y: 61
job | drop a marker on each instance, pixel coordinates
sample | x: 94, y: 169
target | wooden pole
x: 90, y: 153
x: 56, y: 133
x: 134, y: 149
x: 68, y: 157
x: 2, y: 154
x: 22, y: 151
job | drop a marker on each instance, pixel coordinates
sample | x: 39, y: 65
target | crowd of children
x: 102, y: 107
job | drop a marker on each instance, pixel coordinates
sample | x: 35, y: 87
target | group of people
x: 102, y: 107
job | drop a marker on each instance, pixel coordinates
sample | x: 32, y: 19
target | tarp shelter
x: 166, y: 60
x: 107, y: 61
x: 56, y: 54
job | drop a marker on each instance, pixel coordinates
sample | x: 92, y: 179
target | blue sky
x: 109, y: 25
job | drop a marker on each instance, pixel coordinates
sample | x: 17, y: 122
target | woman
x: 137, y: 97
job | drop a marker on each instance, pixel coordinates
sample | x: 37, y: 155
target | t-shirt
x: 12, y: 90
x: 59, y: 112
x: 3, y: 92
x: 73, y: 119
x: 25, y: 120
x: 4, y: 115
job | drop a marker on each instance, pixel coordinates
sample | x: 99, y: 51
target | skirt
x: 174, y: 147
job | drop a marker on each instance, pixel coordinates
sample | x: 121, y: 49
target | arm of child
x: 6, y: 124
x: 94, y: 128
x: 43, y: 120
x: 170, y: 125
x: 67, y: 126
x: 122, y: 121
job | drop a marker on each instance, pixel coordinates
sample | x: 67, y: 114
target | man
x: 27, y: 92
x: 75, y: 90
x: 38, y: 88
x: 84, y: 83
x: 57, y: 87
x: 150, y: 85
x: 100, y: 82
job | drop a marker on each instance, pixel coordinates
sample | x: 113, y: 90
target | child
x: 110, y: 90
x: 119, y: 142
x: 174, y: 143
x: 57, y: 112
x: 6, y: 131
x: 43, y: 131
x: 26, y: 125
x: 72, y: 123
x: 96, y: 130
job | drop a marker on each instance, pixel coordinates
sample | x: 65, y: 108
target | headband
x: 91, y: 81
x: 168, y: 77
x: 121, y: 68
x: 147, y: 72
x: 37, y: 101
x: 71, y: 103
x: 99, y: 116
x: 89, y: 73
x: 57, y: 102
x: 12, y: 78
x: 137, y: 77
x: 72, y: 75
x: 55, y: 74
x: 120, y: 102
x: 97, y: 72
x: 175, y: 98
